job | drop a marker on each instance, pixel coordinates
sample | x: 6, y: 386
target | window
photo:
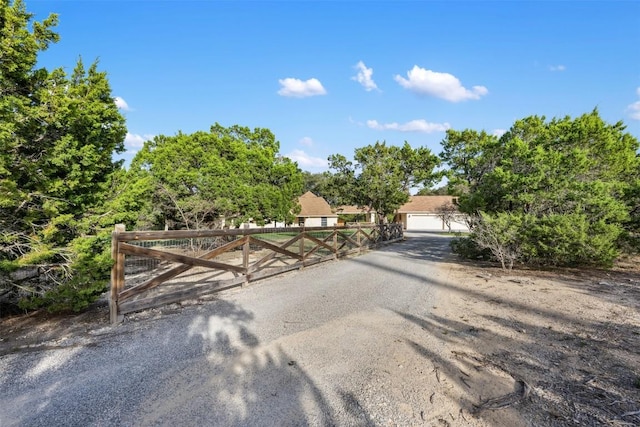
x: 323, y: 221
x: 301, y: 222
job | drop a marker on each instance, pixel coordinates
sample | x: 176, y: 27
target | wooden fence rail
x: 192, y: 263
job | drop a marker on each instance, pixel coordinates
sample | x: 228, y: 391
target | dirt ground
x: 562, y: 345
x: 526, y: 347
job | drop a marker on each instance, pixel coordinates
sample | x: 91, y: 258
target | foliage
x: 353, y: 218
x: 205, y: 179
x: 449, y: 213
x: 325, y: 185
x: 500, y: 234
x: 630, y: 238
x: 560, y: 187
x: 470, y: 155
x: 128, y: 201
x: 314, y: 182
x: 567, y: 239
x: 439, y: 191
x: 88, y: 279
x: 382, y: 176
x: 58, y: 133
x: 466, y: 247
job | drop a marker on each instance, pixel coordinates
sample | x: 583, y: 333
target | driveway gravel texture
x: 340, y: 343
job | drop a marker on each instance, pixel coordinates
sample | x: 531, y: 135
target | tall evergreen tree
x: 58, y: 133
x: 565, y: 181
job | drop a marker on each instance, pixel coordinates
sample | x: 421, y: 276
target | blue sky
x: 331, y: 76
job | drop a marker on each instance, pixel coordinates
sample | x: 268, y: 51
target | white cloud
x: 440, y: 85
x: 305, y: 160
x: 364, y: 77
x: 559, y: 67
x: 412, y: 126
x: 306, y: 141
x: 134, y: 142
x: 300, y: 89
x: 498, y: 132
x: 121, y: 104
x: 634, y: 109
x: 354, y: 122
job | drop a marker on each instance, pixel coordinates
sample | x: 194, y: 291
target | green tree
x: 470, y: 155
x: 382, y: 175
x: 322, y: 184
x: 340, y: 187
x: 564, y: 180
x: 313, y: 182
x: 438, y: 191
x: 225, y: 175
x: 57, y: 137
x: 630, y: 239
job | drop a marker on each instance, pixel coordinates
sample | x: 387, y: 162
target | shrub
x: 569, y: 240
x: 500, y: 234
x: 467, y: 248
x: 87, y: 278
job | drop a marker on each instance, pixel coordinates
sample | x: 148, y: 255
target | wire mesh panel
x: 139, y: 268
x: 318, y: 245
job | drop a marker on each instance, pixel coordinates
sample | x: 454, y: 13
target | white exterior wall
x: 431, y: 222
x: 317, y: 221
x: 459, y: 225
x: 267, y: 225
x: 424, y: 222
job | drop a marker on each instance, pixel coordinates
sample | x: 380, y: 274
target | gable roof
x: 312, y: 205
x: 425, y: 204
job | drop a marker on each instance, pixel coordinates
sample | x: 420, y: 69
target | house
x: 315, y: 212
x: 425, y: 213
x: 352, y: 213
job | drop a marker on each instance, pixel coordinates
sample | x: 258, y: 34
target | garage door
x: 424, y: 222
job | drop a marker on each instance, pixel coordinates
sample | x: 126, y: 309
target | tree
x: 57, y: 137
x: 500, y: 234
x: 321, y: 184
x: 449, y: 213
x: 313, y: 182
x: 470, y: 155
x: 565, y: 179
x: 58, y: 133
x: 439, y: 191
x: 382, y: 175
x: 226, y: 175
x: 340, y: 187
x: 631, y: 238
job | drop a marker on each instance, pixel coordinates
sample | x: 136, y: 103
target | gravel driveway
x: 334, y: 344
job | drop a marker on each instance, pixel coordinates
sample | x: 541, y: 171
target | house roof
x: 425, y: 204
x: 312, y: 205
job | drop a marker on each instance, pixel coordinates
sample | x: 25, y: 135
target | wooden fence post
x: 335, y: 241
x: 359, y: 240
x: 246, y: 251
x: 117, y: 274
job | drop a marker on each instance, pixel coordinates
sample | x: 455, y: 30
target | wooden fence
x: 192, y: 263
